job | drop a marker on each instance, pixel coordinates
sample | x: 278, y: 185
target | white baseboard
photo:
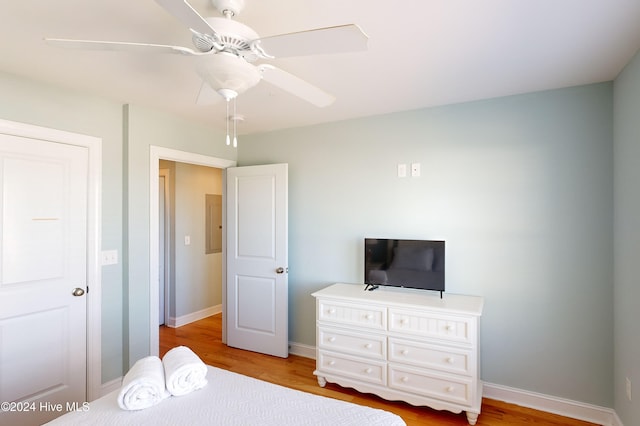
x: 174, y: 322
x: 302, y: 350
x: 551, y: 404
x: 616, y: 420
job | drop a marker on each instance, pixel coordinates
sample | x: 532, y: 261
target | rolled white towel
x: 144, y: 385
x: 184, y: 371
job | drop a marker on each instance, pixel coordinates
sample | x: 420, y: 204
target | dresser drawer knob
x: 403, y: 321
x: 404, y: 351
x: 331, y: 339
x: 404, y: 379
x: 368, y: 346
x: 450, y: 389
x: 331, y: 311
x: 451, y: 360
x: 368, y: 316
x: 448, y: 327
x: 368, y: 371
x: 332, y: 363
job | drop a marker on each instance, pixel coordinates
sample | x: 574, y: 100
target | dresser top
x: 405, y: 297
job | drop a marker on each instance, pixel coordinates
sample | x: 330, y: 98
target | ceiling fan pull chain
x: 227, y: 118
x: 235, y: 125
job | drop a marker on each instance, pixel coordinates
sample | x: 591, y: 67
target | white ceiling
x: 421, y: 52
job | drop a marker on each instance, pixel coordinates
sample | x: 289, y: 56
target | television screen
x: 404, y: 263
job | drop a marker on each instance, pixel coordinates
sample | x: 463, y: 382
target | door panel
x: 43, y: 258
x: 51, y: 340
x: 32, y: 227
x: 256, y: 213
x: 257, y: 284
x: 252, y: 292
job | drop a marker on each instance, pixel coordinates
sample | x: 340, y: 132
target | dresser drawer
x: 354, y: 367
x: 441, y: 358
x: 447, y: 327
x: 434, y: 385
x: 337, y: 340
x: 369, y: 316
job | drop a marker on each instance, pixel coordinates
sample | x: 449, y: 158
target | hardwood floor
x: 204, y: 337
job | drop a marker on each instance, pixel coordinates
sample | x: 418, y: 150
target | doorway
x: 157, y: 154
x: 190, y: 257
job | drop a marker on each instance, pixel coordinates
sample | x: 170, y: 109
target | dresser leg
x: 472, y: 418
x: 322, y: 382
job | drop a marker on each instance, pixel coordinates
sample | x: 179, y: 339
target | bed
x: 233, y: 399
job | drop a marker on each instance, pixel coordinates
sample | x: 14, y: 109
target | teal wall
x: 126, y: 133
x: 521, y: 189
x: 144, y: 128
x: 39, y: 104
x: 627, y: 239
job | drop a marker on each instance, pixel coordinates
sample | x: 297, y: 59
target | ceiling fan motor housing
x: 234, y: 36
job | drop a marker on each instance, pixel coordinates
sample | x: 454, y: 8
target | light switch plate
x: 109, y: 257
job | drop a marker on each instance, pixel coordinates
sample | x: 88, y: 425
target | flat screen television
x: 404, y: 263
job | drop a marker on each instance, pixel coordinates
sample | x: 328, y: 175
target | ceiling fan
x: 226, y: 50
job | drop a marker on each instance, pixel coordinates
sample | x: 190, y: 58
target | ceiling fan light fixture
x: 227, y: 71
x: 227, y: 94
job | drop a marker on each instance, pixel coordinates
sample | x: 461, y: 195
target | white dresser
x: 401, y: 344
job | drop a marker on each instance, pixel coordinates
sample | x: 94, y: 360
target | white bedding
x: 234, y: 399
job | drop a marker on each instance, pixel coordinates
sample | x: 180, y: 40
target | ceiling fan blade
x: 207, y: 96
x: 120, y: 46
x: 295, y: 86
x: 183, y: 11
x: 340, y: 39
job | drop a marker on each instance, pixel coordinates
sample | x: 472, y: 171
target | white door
x: 43, y: 258
x: 257, y: 259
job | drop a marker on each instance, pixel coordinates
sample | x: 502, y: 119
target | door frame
x: 94, y: 237
x: 166, y: 174
x: 157, y: 153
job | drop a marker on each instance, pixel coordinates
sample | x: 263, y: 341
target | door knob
x: 280, y: 270
x: 78, y: 291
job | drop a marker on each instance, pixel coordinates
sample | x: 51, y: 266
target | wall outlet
x: 628, y: 389
x: 415, y: 169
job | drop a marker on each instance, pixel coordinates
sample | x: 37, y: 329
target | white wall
x: 627, y: 240
x: 521, y: 189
